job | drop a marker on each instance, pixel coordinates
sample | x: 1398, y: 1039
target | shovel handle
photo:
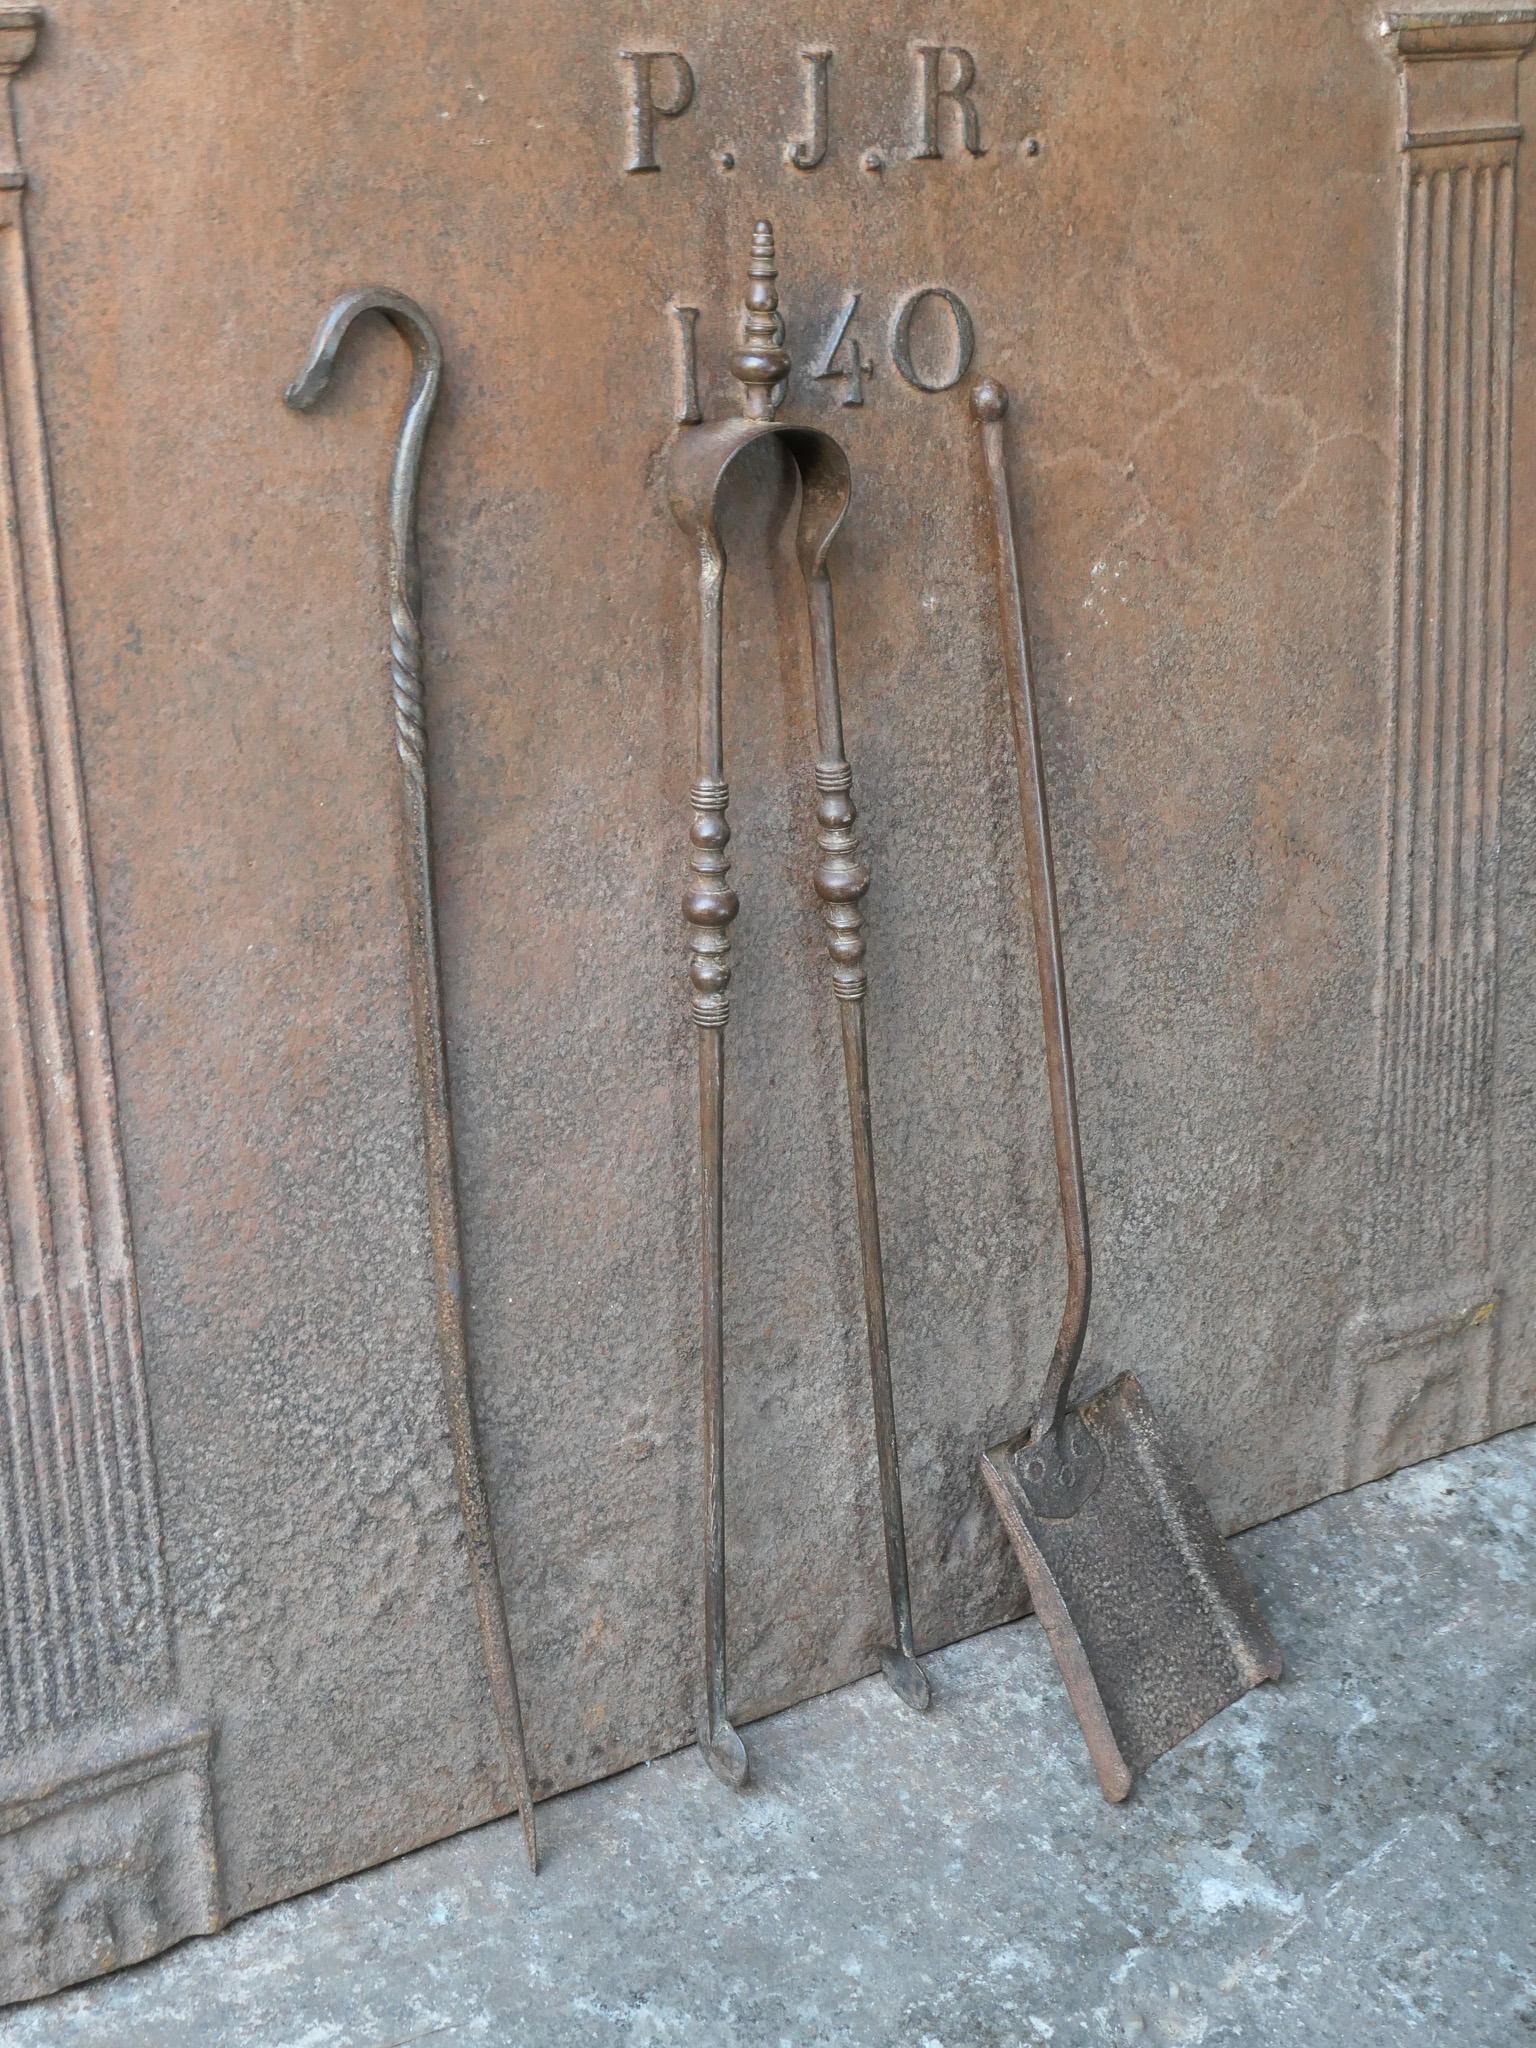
x: 989, y: 404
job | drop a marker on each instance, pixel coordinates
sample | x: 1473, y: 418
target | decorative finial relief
x: 761, y: 365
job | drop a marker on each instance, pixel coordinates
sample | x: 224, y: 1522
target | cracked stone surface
x: 1345, y: 1858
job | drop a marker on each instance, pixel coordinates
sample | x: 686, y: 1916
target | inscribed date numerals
x: 932, y: 339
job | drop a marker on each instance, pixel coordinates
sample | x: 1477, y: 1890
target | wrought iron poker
x: 701, y: 459
x: 407, y: 681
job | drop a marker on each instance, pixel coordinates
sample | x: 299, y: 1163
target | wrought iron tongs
x: 701, y: 458
x: 1152, y: 1625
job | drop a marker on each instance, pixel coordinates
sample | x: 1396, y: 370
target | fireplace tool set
x: 1150, y: 1621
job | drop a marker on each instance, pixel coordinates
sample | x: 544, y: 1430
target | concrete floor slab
x: 1346, y: 1858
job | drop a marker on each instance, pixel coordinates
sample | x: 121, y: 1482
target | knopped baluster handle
x: 709, y: 910
x: 841, y: 877
x: 710, y: 905
x: 841, y: 880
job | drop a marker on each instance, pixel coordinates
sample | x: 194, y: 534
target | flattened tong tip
x: 907, y: 1679
x: 726, y: 1755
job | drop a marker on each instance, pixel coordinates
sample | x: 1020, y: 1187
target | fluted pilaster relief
x: 107, y: 1847
x: 1432, y: 1294
x: 83, y: 1620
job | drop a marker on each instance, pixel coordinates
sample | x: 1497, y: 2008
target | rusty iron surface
x: 1262, y: 292
x: 419, y: 895
x: 1151, y: 1622
x: 701, y: 465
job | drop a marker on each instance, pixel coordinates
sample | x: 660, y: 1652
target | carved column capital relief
x: 1460, y: 84
x: 1420, y: 1358
x: 18, y: 36
x: 106, y: 1836
x: 19, y: 28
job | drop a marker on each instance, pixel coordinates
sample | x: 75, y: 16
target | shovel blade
x: 1152, y: 1625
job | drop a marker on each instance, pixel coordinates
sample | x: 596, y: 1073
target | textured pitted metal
x: 1153, y: 1626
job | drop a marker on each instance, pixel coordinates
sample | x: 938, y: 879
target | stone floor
x: 1348, y: 1858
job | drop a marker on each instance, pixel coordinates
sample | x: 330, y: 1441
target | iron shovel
x: 1152, y: 1625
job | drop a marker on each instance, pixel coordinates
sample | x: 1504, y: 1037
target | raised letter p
x: 643, y: 108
